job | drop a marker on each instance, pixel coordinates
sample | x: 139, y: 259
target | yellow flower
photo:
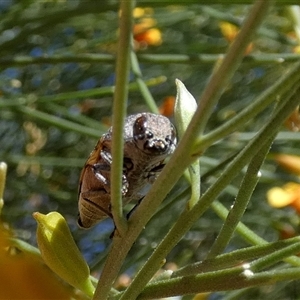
x: 145, y: 33
x: 148, y: 37
x: 289, y: 194
x: 230, y: 31
x: 296, y: 49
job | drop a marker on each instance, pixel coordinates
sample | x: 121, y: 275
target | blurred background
x: 57, y: 70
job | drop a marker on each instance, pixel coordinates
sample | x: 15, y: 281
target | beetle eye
x: 149, y: 134
x: 139, y: 127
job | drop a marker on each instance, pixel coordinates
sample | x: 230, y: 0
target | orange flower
x: 290, y: 163
x: 145, y: 33
x: 22, y: 277
x: 293, y: 121
x: 151, y: 37
x: 167, y: 107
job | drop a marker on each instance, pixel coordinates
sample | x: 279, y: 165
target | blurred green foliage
x: 54, y: 57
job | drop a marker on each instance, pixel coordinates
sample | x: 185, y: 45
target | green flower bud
x: 185, y: 107
x: 60, y: 252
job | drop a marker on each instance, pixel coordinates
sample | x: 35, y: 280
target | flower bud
x: 185, y: 107
x: 60, y: 252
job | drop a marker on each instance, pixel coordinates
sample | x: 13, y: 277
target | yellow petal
x: 278, y: 197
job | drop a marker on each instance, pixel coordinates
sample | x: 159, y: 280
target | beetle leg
x: 125, y: 185
x: 154, y: 172
x: 108, y: 159
x: 134, y: 208
x: 115, y: 231
x: 97, y: 168
x: 106, y: 156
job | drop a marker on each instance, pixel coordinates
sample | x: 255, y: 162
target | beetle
x: 148, y: 140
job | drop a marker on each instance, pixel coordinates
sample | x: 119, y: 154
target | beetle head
x: 154, y: 134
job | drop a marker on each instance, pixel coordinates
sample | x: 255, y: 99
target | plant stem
x: 59, y: 122
x: 241, y: 202
x: 119, y: 112
x: 100, y: 92
x: 77, y: 117
x: 234, y: 258
x: 224, y: 280
x: 45, y: 160
x: 142, y: 85
x: 181, y: 158
x: 230, y: 63
x: 254, y: 59
x: 284, y: 84
x: 273, y: 258
x: 187, y: 219
x: 247, y: 234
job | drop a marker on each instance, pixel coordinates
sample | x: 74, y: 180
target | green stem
x: 224, y: 280
x: 263, y: 31
x: 248, y: 235
x: 99, y: 92
x: 273, y: 258
x: 111, y: 268
x: 230, y: 63
x: 76, y: 117
x: 59, y: 122
x: 187, y: 219
x: 119, y: 113
x: 142, y: 84
x: 180, y: 160
x: 45, y: 160
x: 26, y: 248
x: 280, y: 87
x: 241, y: 202
x: 46, y: 19
x: 254, y: 59
x: 195, y: 181
x: 171, y: 173
x: 234, y: 258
